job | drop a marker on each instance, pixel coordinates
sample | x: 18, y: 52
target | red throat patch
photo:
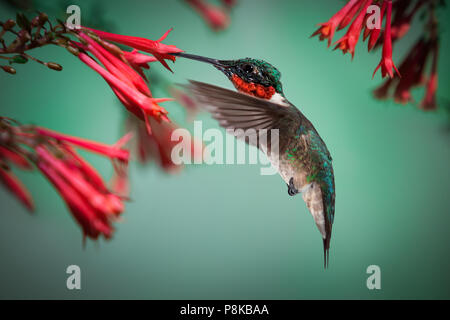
x: 253, y: 89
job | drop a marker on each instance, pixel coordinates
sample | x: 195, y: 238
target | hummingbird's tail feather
x: 314, y: 198
x: 326, y: 251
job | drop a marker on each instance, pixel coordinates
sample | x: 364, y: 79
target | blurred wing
x: 235, y: 110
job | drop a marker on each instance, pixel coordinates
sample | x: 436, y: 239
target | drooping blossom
x: 398, y: 16
x: 157, y: 147
x: 93, y: 205
x: 375, y: 32
x: 115, y: 65
x: 348, y: 42
x: 216, y: 17
x: 138, y: 61
x: 401, y: 22
x: 119, y: 183
x: 123, y: 70
x: 386, y: 64
x: 357, y: 11
x: 14, y: 157
x: 16, y: 187
x: 141, y: 105
x: 229, y: 3
x: 348, y: 17
x: 184, y: 99
x: 413, y: 69
x: 327, y: 29
x: 429, y: 101
x: 159, y: 50
x: 136, y: 102
x: 114, y: 152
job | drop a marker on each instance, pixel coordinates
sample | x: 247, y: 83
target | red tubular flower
x: 217, y: 18
x: 120, y: 184
x: 375, y: 33
x: 15, y: 186
x: 229, y: 3
x: 116, y: 66
x: 14, y: 157
x: 386, y: 62
x: 122, y: 70
x: 158, y: 146
x: 76, y: 177
x: 429, y: 102
x: 348, y: 42
x: 349, y: 16
x: 412, y: 68
x: 84, y: 214
x: 91, y: 202
x: 112, y: 152
x: 189, y: 104
x: 135, y: 101
x: 138, y: 61
x: 382, y: 92
x: 327, y: 29
x: 89, y: 172
x: 402, y: 22
x: 83, y: 190
x: 159, y: 50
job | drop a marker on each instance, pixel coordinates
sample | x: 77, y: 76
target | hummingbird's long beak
x: 217, y: 63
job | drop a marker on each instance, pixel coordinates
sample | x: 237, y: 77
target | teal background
x: 226, y: 232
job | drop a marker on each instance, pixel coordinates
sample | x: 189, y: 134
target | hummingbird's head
x: 251, y: 76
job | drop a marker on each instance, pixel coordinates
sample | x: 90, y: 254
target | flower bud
x: 73, y: 50
x: 94, y: 36
x: 24, y: 35
x: 111, y: 48
x: 9, y: 24
x: 54, y: 66
x: 9, y: 69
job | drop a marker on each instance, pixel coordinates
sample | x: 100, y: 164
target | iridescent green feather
x: 323, y: 172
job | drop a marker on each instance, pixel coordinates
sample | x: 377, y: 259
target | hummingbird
x: 303, y: 160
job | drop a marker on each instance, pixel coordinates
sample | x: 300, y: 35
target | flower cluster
x: 93, y: 205
x: 123, y: 70
x: 217, y: 17
x: 27, y: 35
x: 357, y: 10
x: 425, y: 52
x: 398, y: 16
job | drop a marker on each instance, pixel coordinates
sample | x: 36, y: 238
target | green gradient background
x: 226, y: 232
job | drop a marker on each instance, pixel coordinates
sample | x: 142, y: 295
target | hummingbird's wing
x: 234, y: 110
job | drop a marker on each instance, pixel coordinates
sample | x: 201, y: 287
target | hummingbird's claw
x: 292, y: 191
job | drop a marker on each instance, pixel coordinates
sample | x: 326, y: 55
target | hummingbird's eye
x: 248, y: 68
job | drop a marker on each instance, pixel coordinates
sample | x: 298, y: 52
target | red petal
x: 15, y: 186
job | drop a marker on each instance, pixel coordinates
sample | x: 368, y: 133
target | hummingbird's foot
x: 292, y: 191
